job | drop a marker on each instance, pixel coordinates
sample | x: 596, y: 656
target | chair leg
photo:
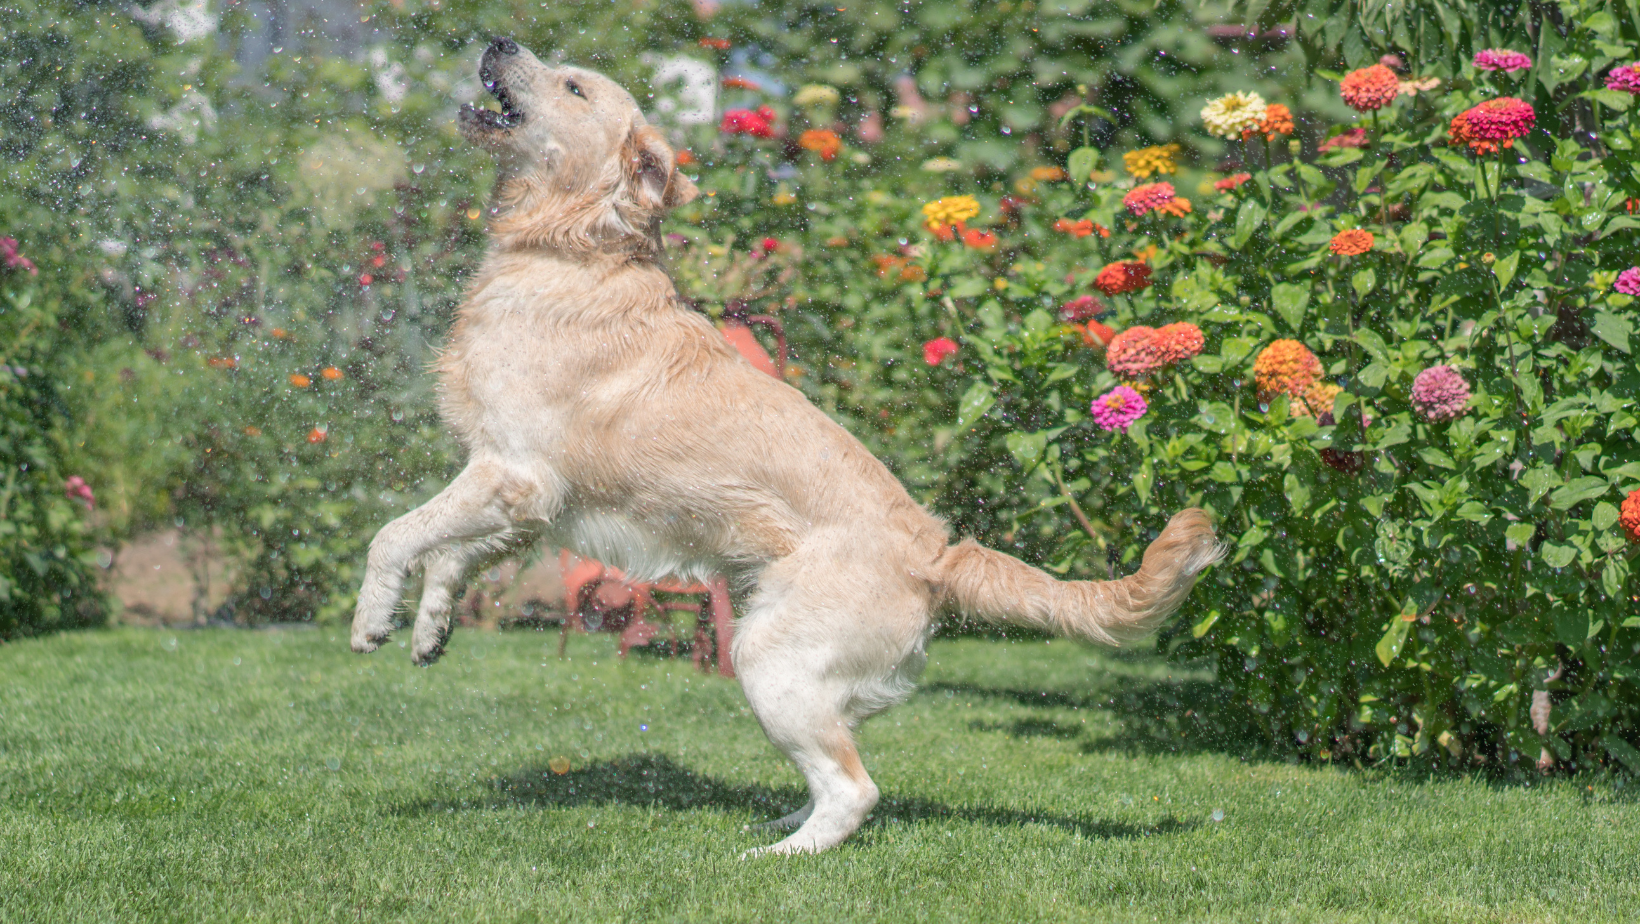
x: 723, y: 622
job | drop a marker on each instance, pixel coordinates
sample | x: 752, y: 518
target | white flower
x: 1229, y: 116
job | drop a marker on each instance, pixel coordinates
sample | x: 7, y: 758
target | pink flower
x: 1134, y: 353
x: 935, y: 351
x: 13, y: 259
x: 1502, y: 59
x: 1439, y: 393
x: 1501, y: 119
x: 77, y: 489
x: 1080, y: 309
x: 1118, y: 408
x: 1143, y: 200
x: 1354, y: 138
x: 1628, y: 281
x: 759, y: 122
x: 1625, y: 78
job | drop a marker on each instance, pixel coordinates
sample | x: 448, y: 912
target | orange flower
x: 1351, y: 242
x: 1285, y: 367
x: 253, y: 431
x: 316, y: 435
x: 1048, y: 174
x: 1178, y: 341
x: 906, y: 270
x: 838, y: 241
x: 279, y: 333
x: 1123, y: 276
x: 1148, y: 197
x: 223, y: 362
x: 1178, y: 207
x: 1629, y: 516
x: 330, y: 373
x: 1370, y: 88
x: 740, y: 83
x: 1316, y: 400
x: 300, y: 381
x: 1231, y: 182
x: 1095, y: 334
x: 821, y: 141
x: 944, y: 232
x: 684, y: 158
x: 1278, y: 120
x: 1081, y: 228
x: 979, y: 240
x: 716, y: 44
x: 1460, y: 132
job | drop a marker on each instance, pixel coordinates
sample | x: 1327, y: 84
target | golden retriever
x: 603, y: 415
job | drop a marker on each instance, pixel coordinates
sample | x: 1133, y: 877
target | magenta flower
x: 1628, y: 281
x: 1118, y: 408
x: 77, y: 489
x: 1625, y: 78
x: 935, y: 351
x: 1502, y: 59
x: 1439, y: 393
x: 14, y: 260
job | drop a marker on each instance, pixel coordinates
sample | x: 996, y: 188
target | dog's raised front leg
x: 444, y: 579
x: 474, y: 505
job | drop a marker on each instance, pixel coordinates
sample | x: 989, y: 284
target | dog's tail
x: 1000, y: 588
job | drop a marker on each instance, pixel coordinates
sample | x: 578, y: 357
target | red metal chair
x: 600, y: 598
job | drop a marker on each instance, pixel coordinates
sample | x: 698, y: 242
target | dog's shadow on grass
x: 655, y: 780
x: 1150, y: 717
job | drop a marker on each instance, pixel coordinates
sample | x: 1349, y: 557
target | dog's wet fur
x: 602, y: 415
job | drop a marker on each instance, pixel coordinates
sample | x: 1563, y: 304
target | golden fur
x: 602, y: 415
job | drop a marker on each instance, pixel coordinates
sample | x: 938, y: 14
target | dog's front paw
x: 427, y: 642
x: 370, y: 631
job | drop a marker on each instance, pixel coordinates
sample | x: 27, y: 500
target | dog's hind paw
x: 428, y: 646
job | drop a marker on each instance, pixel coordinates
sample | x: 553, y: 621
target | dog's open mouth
x: 510, y: 115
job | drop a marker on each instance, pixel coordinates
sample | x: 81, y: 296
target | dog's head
x: 580, y: 168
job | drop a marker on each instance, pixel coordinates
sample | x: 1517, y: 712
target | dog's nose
x: 503, y: 45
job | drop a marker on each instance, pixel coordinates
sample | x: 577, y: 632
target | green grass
x: 232, y: 775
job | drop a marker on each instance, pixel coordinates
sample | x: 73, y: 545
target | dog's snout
x: 503, y: 45
x: 489, y: 67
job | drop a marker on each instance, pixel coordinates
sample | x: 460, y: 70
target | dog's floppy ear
x: 655, y: 181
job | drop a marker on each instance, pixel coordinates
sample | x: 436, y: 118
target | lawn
x: 273, y: 775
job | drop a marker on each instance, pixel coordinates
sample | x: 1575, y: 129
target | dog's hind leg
x: 787, y: 822
x: 475, y: 505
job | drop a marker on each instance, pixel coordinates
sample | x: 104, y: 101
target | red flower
x: 1370, y: 88
x: 684, y: 158
x: 1231, y: 182
x: 1081, y: 228
x: 316, y: 435
x: 716, y: 44
x: 979, y: 240
x: 366, y: 279
x: 935, y: 351
x: 1097, y: 335
x: 768, y: 245
x: 759, y: 122
x: 1081, y: 308
x: 1501, y: 119
x: 1354, y: 138
x: 1123, y: 276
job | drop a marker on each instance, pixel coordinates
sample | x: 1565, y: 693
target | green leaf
x: 1504, y: 269
x: 1556, y: 555
x: 1298, y: 493
x: 975, y: 402
x: 1538, y: 481
x: 1082, y: 163
x: 1200, y: 629
x: 1290, y: 301
x: 969, y: 287
x: 1614, y: 576
x: 1611, y: 99
x: 1389, y: 647
x: 1217, y: 417
x: 1605, y: 515
x: 1623, y: 751
x: 1143, y: 480
x: 1027, y: 448
x: 1248, y: 220
x: 1364, y: 282
x: 1520, y: 533
x: 1436, y: 457
x: 1614, y: 329
x: 1580, y: 489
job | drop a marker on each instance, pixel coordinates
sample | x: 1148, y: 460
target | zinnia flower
x: 1135, y: 353
x: 1354, y: 138
x: 1178, y: 207
x: 716, y: 44
x: 1278, y: 120
x: 1370, y: 88
x: 1231, y: 182
x: 1628, y: 516
x: 1229, y: 116
x: 1097, y: 335
x: 1147, y: 198
x: 1285, y: 367
x: 1154, y: 159
x: 1625, y: 78
x: 951, y: 210
x: 1628, y: 281
x: 1048, y: 174
x: 1081, y: 308
x: 317, y: 435
x: 1502, y: 59
x: 1118, y: 408
x: 1316, y: 401
x: 300, y: 381
x: 1501, y: 119
x: 1178, y: 341
x: 741, y: 83
x: 14, y: 259
x: 77, y: 489
x: 1439, y: 393
x: 1124, y: 276
x: 1081, y: 228
x: 979, y: 240
x: 821, y: 141
x: 759, y: 122
x: 330, y: 373
x: 1351, y: 242
x: 935, y: 351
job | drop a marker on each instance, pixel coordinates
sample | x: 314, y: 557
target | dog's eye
x: 575, y: 88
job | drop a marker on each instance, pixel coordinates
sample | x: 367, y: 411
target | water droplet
x: 1218, y: 814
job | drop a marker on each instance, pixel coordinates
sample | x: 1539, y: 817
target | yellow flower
x: 1154, y: 159
x: 817, y: 94
x: 951, y: 209
x: 784, y: 198
x: 1229, y: 116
